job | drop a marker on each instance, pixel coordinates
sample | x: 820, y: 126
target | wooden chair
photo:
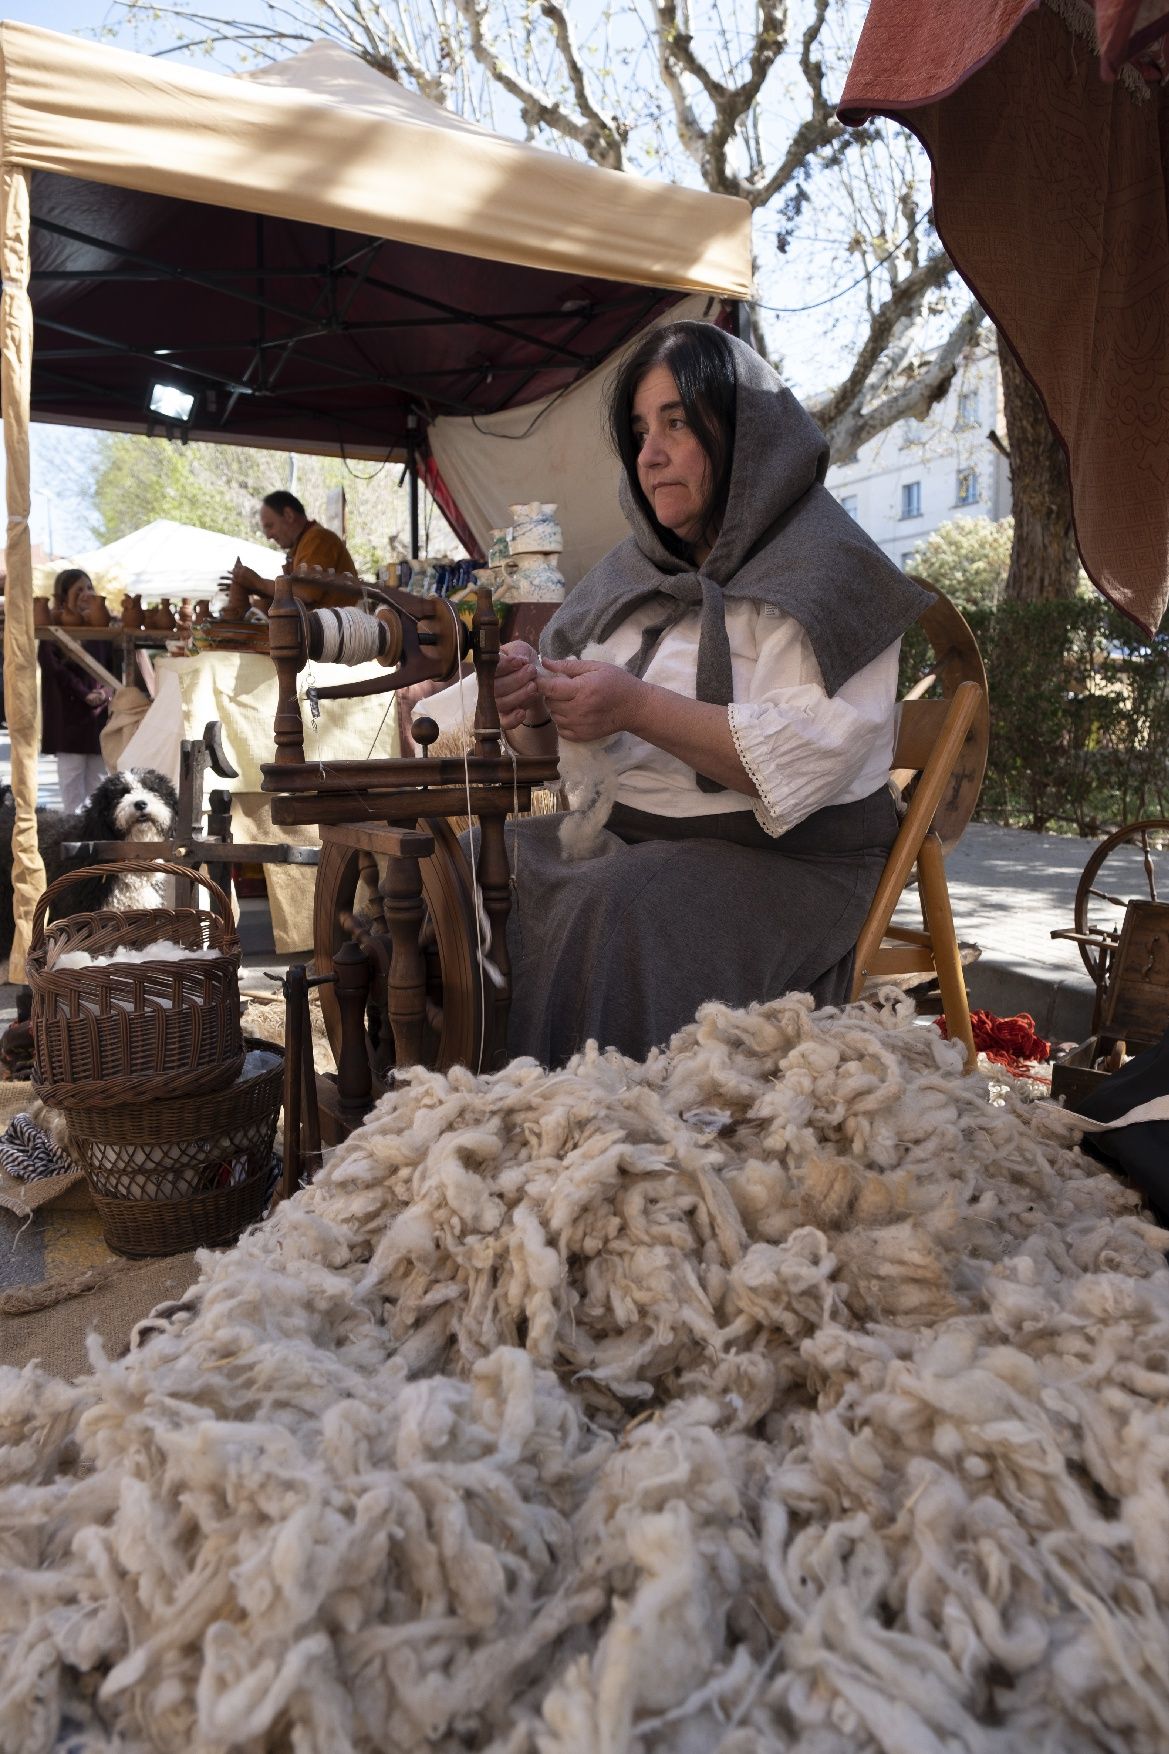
x: 939, y: 759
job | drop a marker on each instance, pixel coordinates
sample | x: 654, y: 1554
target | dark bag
x: 1140, y: 1150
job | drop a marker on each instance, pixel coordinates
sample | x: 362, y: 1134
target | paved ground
x: 1008, y: 889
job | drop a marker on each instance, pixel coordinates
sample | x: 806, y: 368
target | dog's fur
x: 141, y: 805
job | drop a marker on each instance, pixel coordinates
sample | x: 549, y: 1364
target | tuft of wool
x: 779, y: 1392
x: 589, y: 776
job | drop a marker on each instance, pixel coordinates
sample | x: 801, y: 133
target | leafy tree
x: 219, y: 487
x: 968, y: 559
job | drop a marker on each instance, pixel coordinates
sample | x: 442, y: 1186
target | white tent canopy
x: 166, y: 559
x: 321, y: 143
x: 328, y: 140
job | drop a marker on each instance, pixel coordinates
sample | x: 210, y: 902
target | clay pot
x: 67, y: 617
x: 42, y: 612
x: 132, y: 614
x: 98, y: 614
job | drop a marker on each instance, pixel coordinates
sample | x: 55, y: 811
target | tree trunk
x: 1045, y: 563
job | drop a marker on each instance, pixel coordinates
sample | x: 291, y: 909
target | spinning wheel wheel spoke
x: 1137, y: 860
x: 445, y: 936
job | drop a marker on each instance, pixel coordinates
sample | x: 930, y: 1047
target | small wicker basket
x: 131, y: 1032
x: 171, y: 1176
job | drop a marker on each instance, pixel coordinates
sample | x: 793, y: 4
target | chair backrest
x: 954, y: 659
x: 930, y: 739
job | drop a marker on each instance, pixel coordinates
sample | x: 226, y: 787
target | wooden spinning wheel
x: 398, y: 929
x: 1132, y: 864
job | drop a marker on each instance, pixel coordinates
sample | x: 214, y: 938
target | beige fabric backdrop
x: 239, y: 689
x: 550, y: 450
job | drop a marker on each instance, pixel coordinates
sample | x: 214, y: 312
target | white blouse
x: 801, y: 749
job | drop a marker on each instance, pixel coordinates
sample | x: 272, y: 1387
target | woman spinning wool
x: 733, y: 665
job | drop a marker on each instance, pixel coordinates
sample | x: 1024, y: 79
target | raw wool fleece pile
x: 380, y: 1482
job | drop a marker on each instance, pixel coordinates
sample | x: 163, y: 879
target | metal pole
x: 412, y: 472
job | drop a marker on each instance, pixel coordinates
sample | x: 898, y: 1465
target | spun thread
x: 349, y: 635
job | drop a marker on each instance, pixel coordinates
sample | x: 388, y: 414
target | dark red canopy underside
x: 292, y: 334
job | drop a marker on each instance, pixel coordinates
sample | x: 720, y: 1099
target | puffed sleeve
x: 801, y: 749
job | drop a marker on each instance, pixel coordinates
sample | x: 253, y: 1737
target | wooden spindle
x: 404, y: 912
x: 495, y: 882
x: 288, y: 645
x: 486, y: 663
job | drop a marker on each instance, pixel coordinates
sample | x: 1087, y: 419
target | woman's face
x: 672, y: 467
x: 80, y: 595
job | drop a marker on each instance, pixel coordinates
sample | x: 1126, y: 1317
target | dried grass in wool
x: 866, y: 1514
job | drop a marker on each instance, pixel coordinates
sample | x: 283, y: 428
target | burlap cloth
x: 52, y: 1322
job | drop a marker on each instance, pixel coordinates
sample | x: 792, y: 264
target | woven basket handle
x: 165, y: 867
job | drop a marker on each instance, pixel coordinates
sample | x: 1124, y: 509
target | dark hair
x: 65, y: 581
x: 280, y: 501
x: 701, y: 362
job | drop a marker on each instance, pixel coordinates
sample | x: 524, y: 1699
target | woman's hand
x: 97, y: 697
x: 589, y: 700
x: 517, y: 690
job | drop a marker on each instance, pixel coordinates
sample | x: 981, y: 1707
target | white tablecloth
x: 239, y: 689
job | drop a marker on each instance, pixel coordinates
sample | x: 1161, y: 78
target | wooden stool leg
x: 939, y: 922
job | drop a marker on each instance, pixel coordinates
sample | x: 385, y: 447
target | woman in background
x: 73, y: 705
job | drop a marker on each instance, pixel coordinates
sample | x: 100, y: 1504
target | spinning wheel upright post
x: 388, y: 823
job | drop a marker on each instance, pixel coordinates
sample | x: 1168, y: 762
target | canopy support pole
x: 20, y: 651
x: 412, y: 473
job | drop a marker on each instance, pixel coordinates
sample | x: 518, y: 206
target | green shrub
x: 1079, y: 710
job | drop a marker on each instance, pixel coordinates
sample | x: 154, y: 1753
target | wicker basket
x: 179, y: 1175
x: 172, y: 1227
x: 130, y: 1032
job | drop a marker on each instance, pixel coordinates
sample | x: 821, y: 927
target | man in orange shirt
x: 308, y: 545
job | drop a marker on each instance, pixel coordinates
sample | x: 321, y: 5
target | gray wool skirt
x: 624, y: 946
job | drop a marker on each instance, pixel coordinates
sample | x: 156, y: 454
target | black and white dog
x: 141, y: 805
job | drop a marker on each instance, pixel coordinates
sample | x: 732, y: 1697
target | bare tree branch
x: 854, y: 423
x: 597, y: 134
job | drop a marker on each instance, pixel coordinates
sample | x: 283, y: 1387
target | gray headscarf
x: 783, y: 540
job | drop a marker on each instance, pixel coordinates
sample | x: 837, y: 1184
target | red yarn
x: 1008, y: 1041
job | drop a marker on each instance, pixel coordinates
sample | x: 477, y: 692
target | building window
x: 911, y: 499
x: 967, y: 408
x: 848, y: 504
x: 967, y: 491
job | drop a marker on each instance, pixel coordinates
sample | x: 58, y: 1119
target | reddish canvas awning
x: 1050, y: 194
